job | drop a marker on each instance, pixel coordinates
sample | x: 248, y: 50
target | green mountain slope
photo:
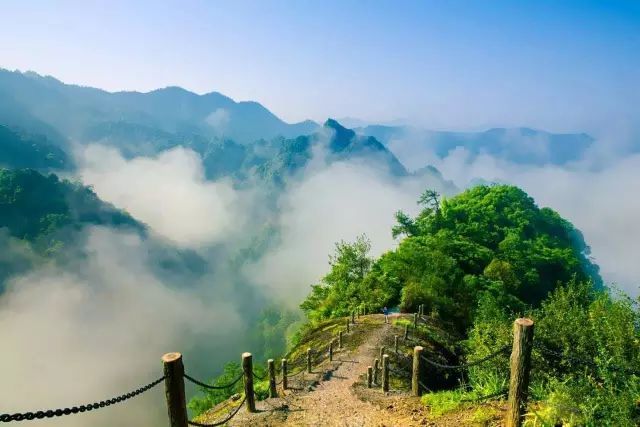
x: 20, y: 150
x: 45, y: 210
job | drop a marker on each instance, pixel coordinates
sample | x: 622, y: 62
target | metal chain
x: 467, y: 365
x: 213, y: 387
x: 297, y: 373
x: 486, y: 397
x: 259, y: 376
x: 219, y: 423
x: 6, y: 418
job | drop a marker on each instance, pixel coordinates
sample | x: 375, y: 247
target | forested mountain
x: 33, y: 101
x: 45, y: 210
x: 44, y: 219
x: 21, y: 150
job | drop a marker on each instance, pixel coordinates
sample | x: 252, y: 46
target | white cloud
x: 332, y: 203
x: 219, y: 120
x: 168, y: 192
x: 96, y: 330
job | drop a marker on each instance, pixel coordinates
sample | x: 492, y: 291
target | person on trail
x: 385, y: 311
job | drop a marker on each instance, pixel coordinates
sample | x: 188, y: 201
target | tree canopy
x: 487, y: 240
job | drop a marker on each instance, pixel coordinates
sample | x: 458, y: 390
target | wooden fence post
x: 284, y: 374
x: 417, y: 369
x: 406, y: 332
x: 395, y: 343
x: 520, y: 367
x: 415, y: 320
x: 309, y: 360
x: 347, y: 325
x: 247, y: 369
x: 376, y: 367
x: 271, y: 367
x: 331, y: 350
x: 340, y: 340
x: 381, y: 352
x: 385, y: 373
x: 174, y: 389
x: 369, y: 376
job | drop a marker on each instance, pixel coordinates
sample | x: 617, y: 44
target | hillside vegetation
x: 481, y: 259
x: 477, y: 261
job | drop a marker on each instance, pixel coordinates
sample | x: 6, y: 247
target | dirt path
x: 335, y: 393
x: 331, y: 400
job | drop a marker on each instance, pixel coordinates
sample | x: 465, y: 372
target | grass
x: 443, y: 402
x: 483, y: 416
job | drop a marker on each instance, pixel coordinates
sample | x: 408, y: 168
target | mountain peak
x: 342, y: 134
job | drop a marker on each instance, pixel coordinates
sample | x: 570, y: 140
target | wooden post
x: 395, y: 343
x: 415, y: 320
x: 417, y: 368
x: 309, y: 360
x: 347, y: 325
x: 174, y: 389
x: 353, y: 317
x: 369, y: 376
x: 385, y: 373
x: 520, y: 367
x: 376, y: 367
x: 271, y: 367
x: 340, y: 340
x: 284, y: 374
x: 406, y: 332
x: 247, y: 369
x: 331, y: 350
x: 381, y: 352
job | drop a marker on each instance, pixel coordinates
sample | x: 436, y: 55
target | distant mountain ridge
x: 518, y: 145
x: 73, y: 111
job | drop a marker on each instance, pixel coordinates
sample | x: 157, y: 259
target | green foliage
x: 20, y: 150
x: 343, y: 290
x: 489, y: 240
x: 582, y: 323
x: 210, y: 398
x: 274, y: 327
x: 46, y: 211
x: 479, y: 260
x: 442, y: 402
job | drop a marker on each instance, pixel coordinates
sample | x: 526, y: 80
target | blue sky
x: 556, y: 65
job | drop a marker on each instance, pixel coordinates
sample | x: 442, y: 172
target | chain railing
x: 223, y: 421
x: 175, y: 376
x: 464, y: 366
x: 212, y: 387
x: 38, y: 415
